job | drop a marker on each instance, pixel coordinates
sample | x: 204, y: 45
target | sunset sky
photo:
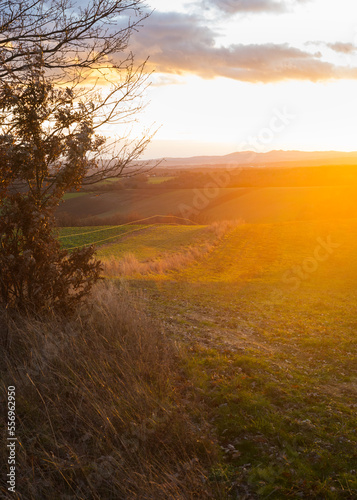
x: 257, y: 75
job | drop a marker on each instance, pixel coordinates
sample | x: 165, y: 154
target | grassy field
x: 144, y: 241
x: 159, y: 179
x: 264, y: 205
x: 142, y: 202
x: 266, y: 321
x: 262, y: 322
x: 253, y: 205
x: 76, y: 237
x: 70, y: 196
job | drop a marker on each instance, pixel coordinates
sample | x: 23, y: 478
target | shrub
x: 36, y: 274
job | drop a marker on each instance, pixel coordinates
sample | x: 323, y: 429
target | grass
x: 70, y: 196
x: 157, y: 248
x: 279, y: 204
x: 162, y: 249
x: 156, y: 241
x: 253, y: 205
x: 102, y: 409
x: 74, y: 237
x: 274, y: 361
x: 159, y: 180
x: 246, y: 390
x: 143, y: 241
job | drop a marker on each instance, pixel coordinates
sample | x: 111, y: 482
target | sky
x: 233, y: 75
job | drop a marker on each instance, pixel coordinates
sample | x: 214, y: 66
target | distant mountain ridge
x: 251, y: 158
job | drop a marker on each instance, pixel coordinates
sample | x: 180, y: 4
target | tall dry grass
x: 102, y: 409
x: 130, y: 265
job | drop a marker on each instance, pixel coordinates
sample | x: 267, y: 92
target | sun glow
x: 227, y: 114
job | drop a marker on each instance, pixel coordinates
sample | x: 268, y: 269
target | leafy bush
x: 36, y: 274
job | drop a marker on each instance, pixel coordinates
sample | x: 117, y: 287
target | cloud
x: 234, y: 6
x: 178, y: 43
x: 271, y: 62
x: 160, y: 80
x: 342, y: 47
x: 251, y: 6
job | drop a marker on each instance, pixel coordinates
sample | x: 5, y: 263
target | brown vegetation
x: 102, y: 409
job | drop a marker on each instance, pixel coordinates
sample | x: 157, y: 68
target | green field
x: 143, y: 241
x: 159, y: 180
x: 265, y: 316
x: 155, y: 241
x: 251, y: 204
x: 267, y: 322
x: 70, y: 196
x: 77, y: 237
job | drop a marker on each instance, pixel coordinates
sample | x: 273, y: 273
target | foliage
x: 36, y: 274
x: 46, y: 137
x: 53, y: 55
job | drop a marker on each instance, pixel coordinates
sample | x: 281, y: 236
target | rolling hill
x: 249, y: 204
x: 267, y: 322
x: 254, y: 158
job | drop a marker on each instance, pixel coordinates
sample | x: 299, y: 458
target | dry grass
x: 102, y: 411
x: 129, y: 264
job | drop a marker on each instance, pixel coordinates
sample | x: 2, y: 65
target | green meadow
x: 251, y: 204
x: 266, y: 321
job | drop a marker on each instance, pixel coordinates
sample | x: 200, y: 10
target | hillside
x: 267, y: 321
x: 262, y: 309
x: 254, y: 195
x: 264, y: 315
x: 249, y: 204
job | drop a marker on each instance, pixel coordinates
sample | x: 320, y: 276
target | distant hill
x: 251, y: 158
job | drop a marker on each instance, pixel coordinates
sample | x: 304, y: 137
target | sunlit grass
x: 275, y: 360
x: 162, y: 249
x: 155, y: 241
x: 266, y: 325
x: 76, y: 237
